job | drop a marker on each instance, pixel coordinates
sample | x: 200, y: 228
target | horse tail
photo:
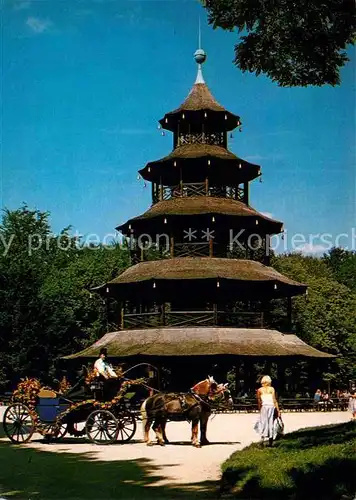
x: 144, y: 416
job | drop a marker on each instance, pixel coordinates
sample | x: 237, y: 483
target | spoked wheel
x: 127, y: 427
x: 19, y: 425
x: 101, y: 427
x: 52, y: 432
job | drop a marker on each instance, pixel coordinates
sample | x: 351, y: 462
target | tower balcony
x: 186, y: 189
x: 212, y: 317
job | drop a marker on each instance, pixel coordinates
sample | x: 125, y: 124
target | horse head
x: 205, y: 387
x: 223, y: 392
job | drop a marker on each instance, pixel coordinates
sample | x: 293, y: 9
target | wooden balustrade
x: 194, y: 318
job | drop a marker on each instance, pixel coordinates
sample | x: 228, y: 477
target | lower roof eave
x: 206, y: 341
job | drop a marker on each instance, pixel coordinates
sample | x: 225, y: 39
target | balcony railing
x: 186, y: 189
x: 241, y: 319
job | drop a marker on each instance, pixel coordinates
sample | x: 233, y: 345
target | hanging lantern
x: 231, y: 136
x: 90, y: 295
x: 138, y: 177
x: 144, y: 184
x: 149, y: 169
x: 256, y: 222
x: 209, y: 162
x: 159, y: 127
x: 165, y: 221
x: 154, y: 284
x: 183, y: 116
x: 213, y: 219
x: 225, y: 117
x: 238, y: 123
x: 163, y: 133
x: 129, y: 226
x: 240, y: 166
x: 174, y: 164
x: 218, y: 284
x: 205, y: 114
x: 240, y: 129
x: 283, y: 235
x: 275, y: 286
x: 107, y: 289
x: 166, y: 120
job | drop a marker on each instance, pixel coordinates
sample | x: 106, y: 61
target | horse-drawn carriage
x: 36, y: 409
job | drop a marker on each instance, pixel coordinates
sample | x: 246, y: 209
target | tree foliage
x: 47, y: 309
x: 295, y: 43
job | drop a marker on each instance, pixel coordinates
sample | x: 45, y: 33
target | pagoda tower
x: 206, y: 297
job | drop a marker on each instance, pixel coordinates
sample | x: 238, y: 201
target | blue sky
x: 85, y: 82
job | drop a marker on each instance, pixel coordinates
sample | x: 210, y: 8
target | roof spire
x: 200, y: 57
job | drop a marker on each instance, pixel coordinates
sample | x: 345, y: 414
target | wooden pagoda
x: 206, y: 298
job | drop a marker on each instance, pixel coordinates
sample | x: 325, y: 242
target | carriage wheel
x: 52, y: 432
x: 101, y: 427
x: 19, y: 424
x: 127, y: 427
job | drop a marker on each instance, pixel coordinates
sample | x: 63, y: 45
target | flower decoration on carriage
x: 64, y: 385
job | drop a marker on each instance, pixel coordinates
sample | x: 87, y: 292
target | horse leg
x: 146, y: 424
x: 204, y: 417
x: 163, y: 428
x: 195, y: 426
x: 157, y: 427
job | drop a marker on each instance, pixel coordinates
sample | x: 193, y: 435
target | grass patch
x: 315, y: 463
x: 27, y: 473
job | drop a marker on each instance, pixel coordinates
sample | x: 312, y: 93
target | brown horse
x: 195, y: 406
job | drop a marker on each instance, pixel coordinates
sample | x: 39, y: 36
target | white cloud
x: 38, y: 25
x: 311, y: 248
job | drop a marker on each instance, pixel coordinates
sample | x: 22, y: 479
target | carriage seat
x: 47, y: 393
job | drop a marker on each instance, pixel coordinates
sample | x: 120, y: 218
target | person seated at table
x: 102, y: 368
x: 317, y: 396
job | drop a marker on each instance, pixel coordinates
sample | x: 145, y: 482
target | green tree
x: 47, y: 309
x: 293, y: 43
x: 326, y: 318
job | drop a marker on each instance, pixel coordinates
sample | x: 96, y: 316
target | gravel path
x: 181, y: 463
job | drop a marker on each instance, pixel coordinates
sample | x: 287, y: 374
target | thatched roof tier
x: 183, y: 276
x: 228, y: 213
x: 200, y: 107
x: 198, y: 161
x: 208, y: 341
